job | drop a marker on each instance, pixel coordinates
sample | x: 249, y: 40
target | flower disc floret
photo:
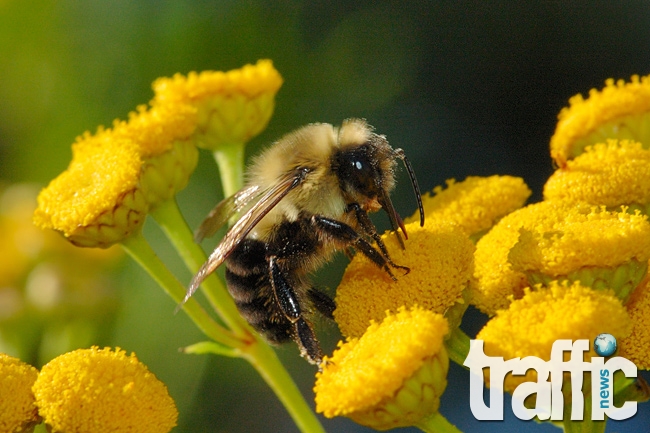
x: 100, y: 390
x: 440, y: 258
x: 476, y: 203
x: 232, y: 106
x: 531, y: 325
x: 18, y: 411
x: 392, y: 376
x: 620, y: 110
x: 609, y: 174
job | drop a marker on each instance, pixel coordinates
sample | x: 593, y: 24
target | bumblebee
x: 306, y: 197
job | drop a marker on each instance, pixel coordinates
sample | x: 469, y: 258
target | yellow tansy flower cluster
x: 100, y: 390
x: 18, y: 412
x: 440, y: 257
x: 620, y: 110
x: 118, y: 174
x: 392, y: 376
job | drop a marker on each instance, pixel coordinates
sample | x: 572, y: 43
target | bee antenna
x: 399, y: 153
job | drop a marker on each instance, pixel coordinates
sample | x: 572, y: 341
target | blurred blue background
x: 465, y: 88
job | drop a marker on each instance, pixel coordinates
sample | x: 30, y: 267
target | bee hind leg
x: 289, y: 304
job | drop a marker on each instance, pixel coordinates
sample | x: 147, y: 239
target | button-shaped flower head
x: 100, y: 390
x: 611, y: 174
x: 18, y: 412
x: 476, y: 203
x: 621, y: 110
x: 602, y: 250
x: 392, y: 376
x: 440, y: 258
x: 233, y: 106
x: 97, y: 201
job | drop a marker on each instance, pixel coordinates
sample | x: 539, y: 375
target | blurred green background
x: 466, y: 88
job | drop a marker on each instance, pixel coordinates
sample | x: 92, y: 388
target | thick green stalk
x: 170, y: 219
x: 457, y: 346
x: 140, y: 250
x: 230, y: 159
x: 268, y: 365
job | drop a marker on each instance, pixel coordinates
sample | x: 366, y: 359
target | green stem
x: 230, y: 159
x: 140, y: 250
x: 268, y: 365
x: 457, y: 346
x: 170, y: 219
x: 437, y: 423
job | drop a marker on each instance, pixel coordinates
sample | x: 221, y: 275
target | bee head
x: 365, y: 167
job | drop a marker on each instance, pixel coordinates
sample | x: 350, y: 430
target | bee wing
x: 226, y: 208
x: 268, y: 200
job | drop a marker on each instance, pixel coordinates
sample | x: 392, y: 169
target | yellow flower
x: 600, y: 249
x: 497, y: 283
x: 97, y: 201
x: 117, y: 174
x: 613, y: 174
x: 636, y: 347
x: 476, y: 203
x: 439, y: 256
x: 18, y: 413
x: 233, y: 106
x: 98, y: 390
x: 620, y: 110
x: 392, y: 376
x: 531, y: 325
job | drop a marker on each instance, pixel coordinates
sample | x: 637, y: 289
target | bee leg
x: 289, y: 304
x: 368, y: 227
x: 323, y: 303
x: 345, y: 235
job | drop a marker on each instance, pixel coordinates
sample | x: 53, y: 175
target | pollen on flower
x: 365, y: 376
x: 585, y: 241
x: 636, y: 347
x: 17, y: 408
x: 496, y: 282
x: 531, y: 325
x: 96, y: 201
x: 233, y: 106
x: 100, y: 390
x: 620, y: 110
x: 440, y: 258
x: 608, y: 174
x: 476, y: 203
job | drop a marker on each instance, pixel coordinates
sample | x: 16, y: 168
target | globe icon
x: 605, y: 345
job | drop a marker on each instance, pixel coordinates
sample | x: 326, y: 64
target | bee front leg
x: 367, y: 225
x: 345, y: 236
x: 289, y: 304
